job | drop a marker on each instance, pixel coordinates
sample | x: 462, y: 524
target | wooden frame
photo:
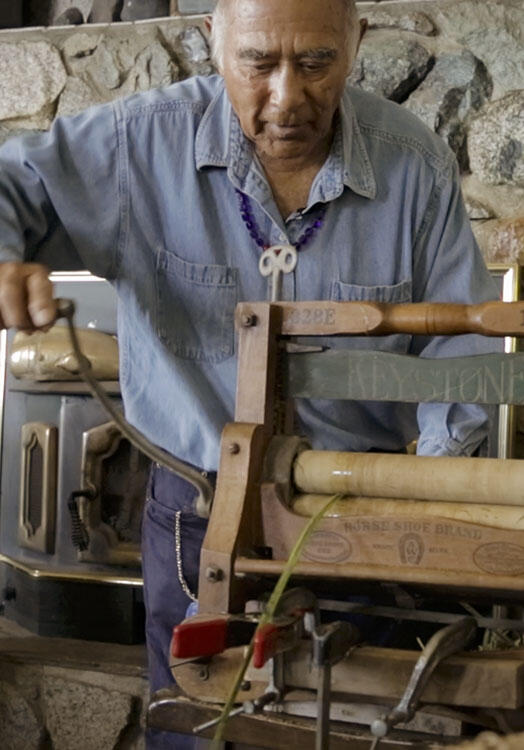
x: 231, y: 564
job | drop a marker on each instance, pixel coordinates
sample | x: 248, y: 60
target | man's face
x: 285, y: 63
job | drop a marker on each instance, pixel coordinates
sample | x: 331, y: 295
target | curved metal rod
x: 443, y: 643
x: 66, y: 309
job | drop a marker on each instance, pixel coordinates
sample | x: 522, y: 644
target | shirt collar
x: 358, y: 172
x: 220, y: 142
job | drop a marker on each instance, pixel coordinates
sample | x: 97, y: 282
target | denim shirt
x: 142, y: 192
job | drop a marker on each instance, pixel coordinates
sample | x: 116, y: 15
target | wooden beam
x: 383, y: 376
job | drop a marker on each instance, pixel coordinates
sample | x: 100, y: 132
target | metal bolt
x: 246, y: 685
x: 233, y: 448
x: 214, y: 574
x: 249, y: 321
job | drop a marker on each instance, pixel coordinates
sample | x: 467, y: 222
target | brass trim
x: 99, y: 443
x: 41, y: 538
x: 70, y: 575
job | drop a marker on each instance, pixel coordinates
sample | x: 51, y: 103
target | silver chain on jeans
x: 178, y: 549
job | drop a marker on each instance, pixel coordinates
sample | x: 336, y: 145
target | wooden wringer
x: 431, y: 546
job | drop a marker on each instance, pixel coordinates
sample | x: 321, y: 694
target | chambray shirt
x: 142, y: 192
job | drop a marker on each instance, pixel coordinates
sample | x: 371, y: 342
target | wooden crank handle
x: 381, y: 319
x: 488, y: 318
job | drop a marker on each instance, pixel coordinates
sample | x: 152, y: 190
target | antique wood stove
x: 60, y: 451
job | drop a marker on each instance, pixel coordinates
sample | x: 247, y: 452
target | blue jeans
x: 165, y: 601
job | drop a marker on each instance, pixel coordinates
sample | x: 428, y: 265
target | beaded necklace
x: 246, y: 212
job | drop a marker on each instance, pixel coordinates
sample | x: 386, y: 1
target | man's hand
x: 26, y: 297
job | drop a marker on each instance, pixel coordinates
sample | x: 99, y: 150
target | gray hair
x: 218, y: 30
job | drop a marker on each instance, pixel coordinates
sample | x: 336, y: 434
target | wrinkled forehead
x: 267, y: 25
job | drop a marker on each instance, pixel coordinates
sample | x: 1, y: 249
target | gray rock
x: 105, y: 11
x: 503, y: 56
x: 415, y: 21
x: 112, y: 66
x: 459, y: 18
x: 477, y: 210
x: 77, y: 96
x: 390, y: 66
x: 153, y: 68
x: 136, y: 10
x: 81, y: 715
x: 104, y: 70
x: 70, y: 17
x: 496, y: 141
x: 47, y: 12
x: 501, y: 240
x: 457, y: 85
x: 503, y: 201
x: 41, y: 121
x: 32, y: 76
x: 194, y: 45
x: 80, y: 46
x: 188, y: 50
x: 493, y: 31
x: 19, y: 726
x: 186, y: 7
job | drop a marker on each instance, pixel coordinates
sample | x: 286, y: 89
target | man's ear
x: 363, y: 26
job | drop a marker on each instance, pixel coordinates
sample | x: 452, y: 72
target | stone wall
x: 458, y: 64
x: 61, y: 694
x: 53, y: 71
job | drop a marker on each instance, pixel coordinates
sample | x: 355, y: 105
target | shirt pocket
x: 195, y: 308
x: 342, y: 292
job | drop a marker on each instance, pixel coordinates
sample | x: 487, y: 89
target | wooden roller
x: 490, y: 481
x: 498, y: 516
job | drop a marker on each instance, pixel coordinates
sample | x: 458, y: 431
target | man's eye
x: 313, y: 67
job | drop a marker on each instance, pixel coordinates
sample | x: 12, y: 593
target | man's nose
x: 287, y: 89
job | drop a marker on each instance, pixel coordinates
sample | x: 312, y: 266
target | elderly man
x: 172, y: 194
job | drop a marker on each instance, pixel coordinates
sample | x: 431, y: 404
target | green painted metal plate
x: 382, y: 376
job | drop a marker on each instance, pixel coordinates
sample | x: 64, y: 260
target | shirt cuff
x: 447, y: 447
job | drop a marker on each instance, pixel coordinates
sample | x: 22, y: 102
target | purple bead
x: 246, y: 212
